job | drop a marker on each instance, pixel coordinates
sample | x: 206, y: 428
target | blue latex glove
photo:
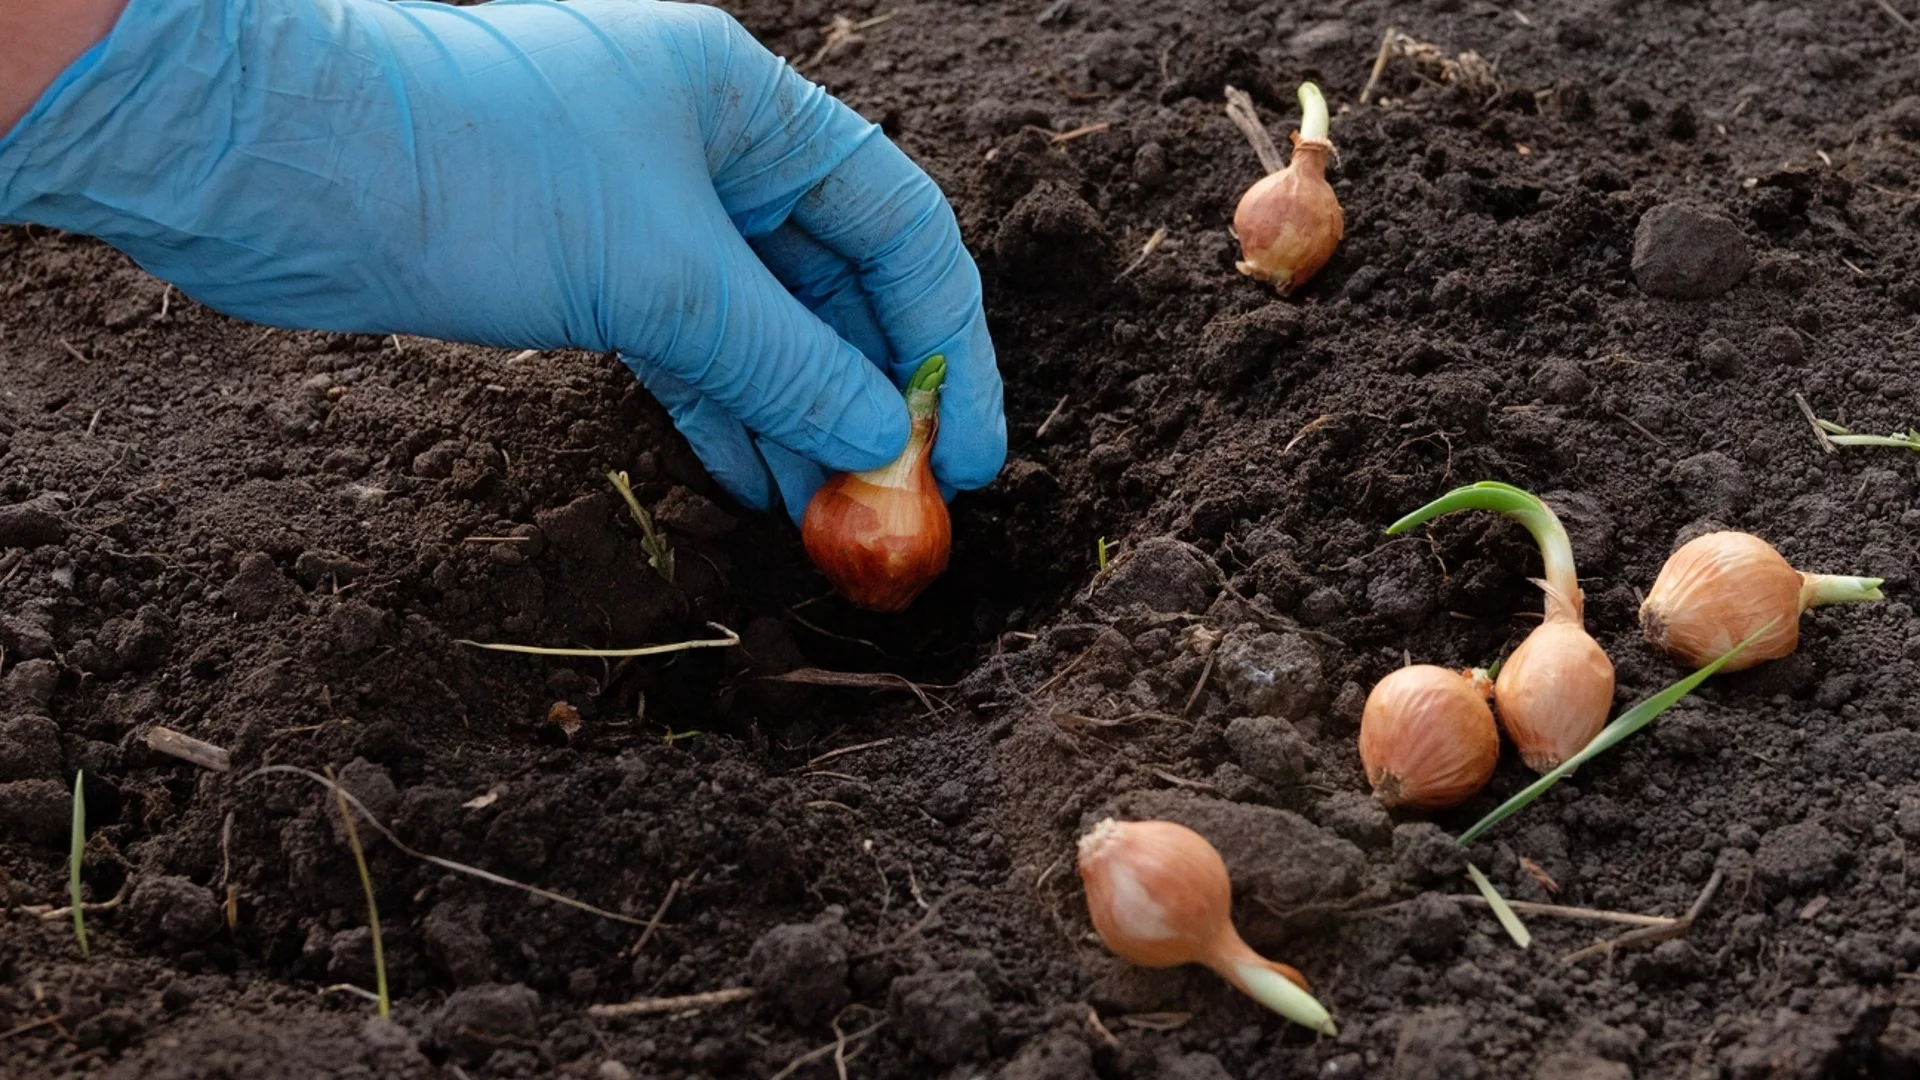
x: 603, y: 174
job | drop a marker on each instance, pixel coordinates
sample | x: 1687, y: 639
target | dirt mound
x: 276, y: 542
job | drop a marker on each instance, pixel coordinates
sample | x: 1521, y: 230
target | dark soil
x: 272, y: 541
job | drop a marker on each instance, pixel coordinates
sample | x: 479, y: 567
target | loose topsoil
x: 274, y: 541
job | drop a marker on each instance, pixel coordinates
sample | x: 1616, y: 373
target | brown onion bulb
x: 1159, y: 896
x: 1289, y: 222
x: 1427, y: 738
x: 1716, y: 590
x: 1554, y: 693
x: 882, y: 536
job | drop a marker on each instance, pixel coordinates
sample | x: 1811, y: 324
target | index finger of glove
x: 883, y: 214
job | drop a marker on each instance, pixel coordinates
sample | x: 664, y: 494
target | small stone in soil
x: 946, y: 1015
x: 318, y: 568
x: 802, y: 967
x: 31, y: 683
x: 1269, y: 749
x: 1423, y: 854
x: 1435, y: 926
x: 1711, y: 484
x: 37, y: 811
x: 1161, y: 575
x: 1799, y: 857
x: 1270, y: 674
x: 357, y: 626
x: 29, y: 748
x: 478, y: 1019
x: 455, y: 942
x: 950, y: 802
x: 1562, y: 382
x: 692, y: 515
x: 1194, y: 1066
x: 1685, y: 254
x: 1433, y: 1046
x: 1052, y: 1056
x: 1053, y: 239
x: 258, y: 589
x: 1358, y: 818
x: 30, y: 525
x: 1669, y: 962
x: 1571, y: 1066
x: 173, y: 910
x: 1721, y: 356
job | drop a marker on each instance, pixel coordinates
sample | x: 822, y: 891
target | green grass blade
x: 75, y: 853
x: 1626, y: 724
x: 1485, y: 495
x: 1509, y: 921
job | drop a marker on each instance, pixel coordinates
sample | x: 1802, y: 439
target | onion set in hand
x: 1427, y: 737
x: 1554, y: 693
x: 1717, y: 589
x: 882, y: 536
x: 1289, y: 222
x: 1160, y: 897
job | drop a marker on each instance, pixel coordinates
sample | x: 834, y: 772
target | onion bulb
x: 882, y: 536
x: 1427, y: 738
x: 1554, y: 692
x: 1289, y: 222
x: 1717, y: 589
x: 1159, y: 897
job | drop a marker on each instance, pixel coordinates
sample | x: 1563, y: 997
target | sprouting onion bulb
x: 1554, y: 692
x: 882, y: 536
x: 1159, y: 897
x: 1718, y: 588
x: 1289, y: 222
x: 1427, y: 737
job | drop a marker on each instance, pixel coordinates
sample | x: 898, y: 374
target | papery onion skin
x: 1554, y: 693
x: 879, y: 546
x: 1720, y: 587
x: 1290, y: 222
x: 1427, y: 738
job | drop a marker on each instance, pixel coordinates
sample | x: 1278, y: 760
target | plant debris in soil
x: 1604, y: 280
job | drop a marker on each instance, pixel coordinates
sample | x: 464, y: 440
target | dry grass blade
x: 172, y: 743
x: 839, y: 1044
x: 1820, y: 433
x: 845, y: 750
x: 855, y: 680
x: 684, y: 1003
x: 445, y: 864
x: 1240, y: 110
x: 727, y: 642
x: 373, y: 909
x: 1080, y: 132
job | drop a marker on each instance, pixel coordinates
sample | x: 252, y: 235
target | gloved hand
x: 603, y: 174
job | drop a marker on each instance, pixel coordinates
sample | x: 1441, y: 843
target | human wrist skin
x: 39, y: 40
x: 229, y: 146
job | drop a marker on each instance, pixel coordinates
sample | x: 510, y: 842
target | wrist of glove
x: 605, y: 174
